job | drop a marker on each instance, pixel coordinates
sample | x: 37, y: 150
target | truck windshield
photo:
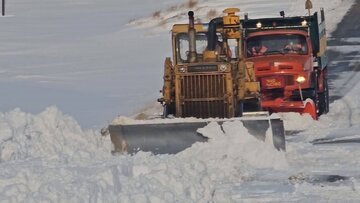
x: 182, y: 43
x: 276, y: 44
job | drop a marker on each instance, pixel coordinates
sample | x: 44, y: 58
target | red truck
x: 290, y: 60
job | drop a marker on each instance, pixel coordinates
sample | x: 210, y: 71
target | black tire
x: 315, y: 94
x: 169, y: 109
x: 239, y: 109
x: 324, y: 97
x: 252, y: 105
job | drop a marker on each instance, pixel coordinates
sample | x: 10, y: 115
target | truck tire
x: 324, y: 97
x: 315, y: 95
x: 169, y: 109
x: 239, y: 109
x: 251, y: 105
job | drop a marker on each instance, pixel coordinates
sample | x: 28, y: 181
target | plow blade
x: 171, y: 138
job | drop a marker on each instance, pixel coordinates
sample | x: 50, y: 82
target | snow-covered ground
x: 96, y: 59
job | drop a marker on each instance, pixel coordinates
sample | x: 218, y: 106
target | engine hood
x: 282, y: 63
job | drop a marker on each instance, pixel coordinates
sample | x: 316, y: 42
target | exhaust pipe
x: 213, y: 24
x: 192, y: 38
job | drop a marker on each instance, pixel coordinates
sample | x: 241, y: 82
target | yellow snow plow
x: 208, y: 79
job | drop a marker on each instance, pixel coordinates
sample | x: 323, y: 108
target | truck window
x: 276, y: 44
x: 182, y: 43
x: 233, y: 46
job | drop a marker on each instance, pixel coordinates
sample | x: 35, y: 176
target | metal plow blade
x: 171, y: 138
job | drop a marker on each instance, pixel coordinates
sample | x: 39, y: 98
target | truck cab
x: 289, y: 56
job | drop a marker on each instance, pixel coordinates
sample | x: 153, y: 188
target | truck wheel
x: 251, y: 105
x: 324, y: 98
x: 239, y: 109
x: 169, y: 109
x: 316, y: 96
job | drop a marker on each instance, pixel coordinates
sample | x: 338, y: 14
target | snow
x: 79, y: 56
x: 48, y: 157
x: 84, y: 56
x: 206, y: 10
x: 49, y: 135
x: 156, y: 119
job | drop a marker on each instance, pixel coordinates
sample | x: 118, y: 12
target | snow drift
x: 50, y: 134
x: 49, y: 157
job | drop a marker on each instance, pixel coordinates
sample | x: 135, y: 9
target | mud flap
x: 171, y: 138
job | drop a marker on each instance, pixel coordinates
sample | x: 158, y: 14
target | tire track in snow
x: 344, y: 64
x: 346, y: 87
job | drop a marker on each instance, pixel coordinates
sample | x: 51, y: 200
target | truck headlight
x: 304, y: 23
x: 258, y: 25
x: 182, y: 69
x: 223, y: 67
x: 300, y: 79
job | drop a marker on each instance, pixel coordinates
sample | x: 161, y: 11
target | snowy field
x: 66, y: 66
x: 97, y: 59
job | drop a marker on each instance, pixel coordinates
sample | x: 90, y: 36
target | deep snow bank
x: 47, y: 157
x: 50, y: 134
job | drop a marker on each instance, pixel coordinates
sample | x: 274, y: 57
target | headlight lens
x: 223, y: 67
x: 300, y: 79
x: 258, y: 25
x: 304, y: 23
x: 182, y: 69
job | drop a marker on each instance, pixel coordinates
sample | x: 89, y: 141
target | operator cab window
x: 276, y: 44
x: 183, y: 45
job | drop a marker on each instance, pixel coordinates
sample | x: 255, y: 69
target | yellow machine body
x: 216, y: 84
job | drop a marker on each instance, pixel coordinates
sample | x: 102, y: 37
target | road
x: 323, y: 157
x: 344, y: 38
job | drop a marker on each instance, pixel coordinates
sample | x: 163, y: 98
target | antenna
x: 308, y: 5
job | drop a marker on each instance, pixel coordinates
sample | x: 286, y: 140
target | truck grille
x: 203, y: 96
